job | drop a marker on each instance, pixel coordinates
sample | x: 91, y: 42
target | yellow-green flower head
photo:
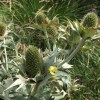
x: 53, y: 70
x: 90, y: 20
x: 2, y: 28
x: 88, y: 25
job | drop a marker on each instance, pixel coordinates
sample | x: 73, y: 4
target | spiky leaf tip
x: 90, y: 20
x: 55, y: 21
x: 74, y: 38
x: 2, y: 28
x: 40, y: 18
x: 33, y: 61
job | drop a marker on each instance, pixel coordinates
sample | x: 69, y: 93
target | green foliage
x: 23, y: 14
x: 87, y: 68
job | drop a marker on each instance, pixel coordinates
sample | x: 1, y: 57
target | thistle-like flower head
x: 34, y: 62
x: 90, y: 20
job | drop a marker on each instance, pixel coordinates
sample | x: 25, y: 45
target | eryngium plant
x: 55, y: 83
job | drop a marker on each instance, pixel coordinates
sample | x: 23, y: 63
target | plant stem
x: 6, y: 59
x: 34, y: 91
x: 14, y: 47
x: 47, y: 40
x: 74, y: 52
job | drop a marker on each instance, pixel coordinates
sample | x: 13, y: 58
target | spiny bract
x: 34, y: 62
x: 55, y: 21
x: 90, y: 20
x: 40, y: 18
x: 52, y: 30
x: 74, y: 38
x: 2, y: 28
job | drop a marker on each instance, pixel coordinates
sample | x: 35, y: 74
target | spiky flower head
x: 40, y: 18
x: 90, y: 20
x: 2, y: 28
x: 34, y: 62
x: 52, y: 31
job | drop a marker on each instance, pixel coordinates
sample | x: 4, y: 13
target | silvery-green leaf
x: 59, y: 96
x: 67, y: 81
x: 61, y: 36
x: 76, y: 23
x: 97, y: 36
x: 66, y: 66
x: 62, y: 29
x: 20, y: 77
x: 31, y: 28
x: 8, y: 82
x: 71, y: 25
x: 19, y: 81
x: 2, y: 88
x: 61, y: 73
x: 20, y: 86
x: 60, y: 82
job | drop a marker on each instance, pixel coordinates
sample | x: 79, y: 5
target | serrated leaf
x: 59, y: 96
x: 67, y: 81
x: 20, y: 86
x: 62, y: 29
x: 71, y: 25
x: 21, y: 81
x: 61, y: 73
